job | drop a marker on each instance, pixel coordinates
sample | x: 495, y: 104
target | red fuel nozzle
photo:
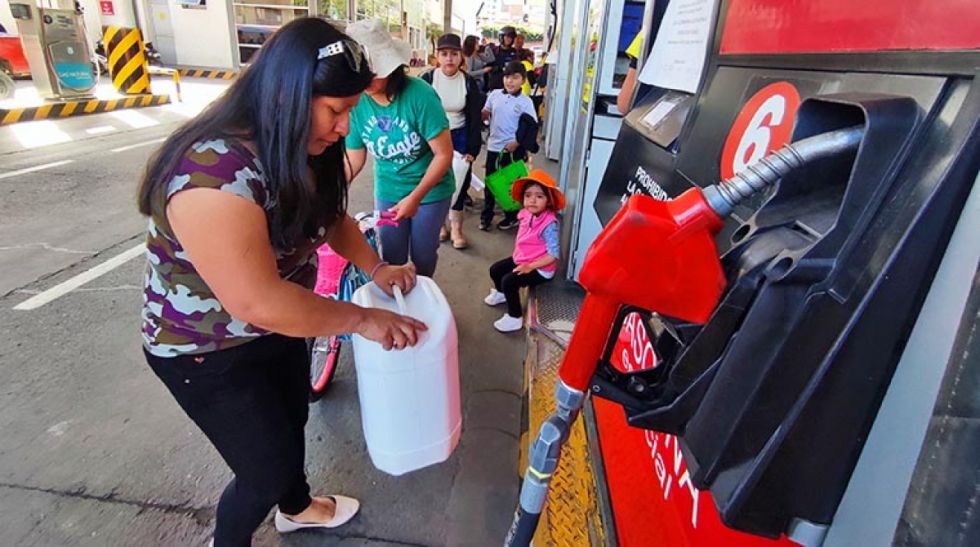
x: 660, y: 255
x: 655, y: 255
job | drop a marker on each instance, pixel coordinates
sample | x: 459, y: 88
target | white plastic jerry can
x: 410, y: 407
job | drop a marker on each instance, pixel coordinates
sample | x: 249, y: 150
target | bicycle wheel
x: 324, y: 356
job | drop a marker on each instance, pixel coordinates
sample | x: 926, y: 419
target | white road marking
x: 87, y: 289
x: 45, y: 247
x: 35, y: 168
x: 138, y: 145
x: 59, y: 428
x: 41, y: 133
x: 100, y: 130
x: 95, y: 272
x: 134, y: 119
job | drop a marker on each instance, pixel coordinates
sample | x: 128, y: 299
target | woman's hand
x: 406, y: 208
x: 389, y: 276
x: 389, y: 329
x: 468, y: 158
x: 523, y: 269
x: 511, y: 146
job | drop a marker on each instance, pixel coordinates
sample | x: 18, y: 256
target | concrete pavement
x: 94, y: 451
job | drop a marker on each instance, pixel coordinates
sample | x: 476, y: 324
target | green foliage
x: 492, y: 32
x: 334, y: 9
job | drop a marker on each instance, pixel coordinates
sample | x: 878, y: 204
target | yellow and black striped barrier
x: 78, y: 108
x: 208, y: 73
x: 173, y: 73
x: 126, y: 56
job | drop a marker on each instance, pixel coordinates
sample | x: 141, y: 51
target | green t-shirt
x: 397, y: 137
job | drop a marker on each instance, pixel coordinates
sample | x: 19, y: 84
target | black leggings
x: 509, y: 282
x: 251, y: 402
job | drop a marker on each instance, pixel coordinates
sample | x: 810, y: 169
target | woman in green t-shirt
x: 401, y: 122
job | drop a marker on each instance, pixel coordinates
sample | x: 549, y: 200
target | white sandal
x: 344, y: 509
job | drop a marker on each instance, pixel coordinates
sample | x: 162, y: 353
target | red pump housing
x: 655, y: 255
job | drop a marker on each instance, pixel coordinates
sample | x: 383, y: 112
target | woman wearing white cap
x: 401, y: 122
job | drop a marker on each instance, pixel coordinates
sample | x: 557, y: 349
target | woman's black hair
x: 269, y: 105
x: 397, y: 82
x: 469, y: 45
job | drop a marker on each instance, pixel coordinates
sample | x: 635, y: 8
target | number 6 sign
x: 764, y: 124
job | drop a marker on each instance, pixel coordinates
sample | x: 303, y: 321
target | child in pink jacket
x: 536, y: 249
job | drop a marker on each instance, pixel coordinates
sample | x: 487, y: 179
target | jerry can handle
x: 399, y: 299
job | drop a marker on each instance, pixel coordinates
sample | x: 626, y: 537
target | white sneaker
x: 495, y: 298
x: 345, y: 509
x: 508, y: 323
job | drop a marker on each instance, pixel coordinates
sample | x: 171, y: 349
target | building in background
x: 256, y: 19
x: 226, y: 34
x: 518, y: 13
x: 528, y: 16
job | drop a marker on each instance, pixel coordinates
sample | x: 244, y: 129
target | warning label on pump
x: 642, y: 183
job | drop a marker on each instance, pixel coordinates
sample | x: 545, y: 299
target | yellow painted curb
x: 208, y: 73
x: 66, y: 109
x: 571, y: 516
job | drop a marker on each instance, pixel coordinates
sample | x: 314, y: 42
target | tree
x: 493, y: 32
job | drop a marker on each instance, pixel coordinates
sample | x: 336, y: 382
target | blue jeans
x: 459, y: 145
x: 417, y: 236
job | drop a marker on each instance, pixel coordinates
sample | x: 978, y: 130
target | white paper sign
x: 658, y: 113
x: 679, y: 53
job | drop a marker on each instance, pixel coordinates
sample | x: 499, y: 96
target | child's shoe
x: 495, y: 298
x: 508, y: 224
x: 508, y: 323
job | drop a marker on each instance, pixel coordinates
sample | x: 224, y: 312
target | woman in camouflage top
x: 238, y: 199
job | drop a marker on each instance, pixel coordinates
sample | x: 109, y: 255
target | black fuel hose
x: 522, y: 530
x: 725, y: 195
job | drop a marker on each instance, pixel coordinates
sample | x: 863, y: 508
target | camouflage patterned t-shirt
x: 180, y: 313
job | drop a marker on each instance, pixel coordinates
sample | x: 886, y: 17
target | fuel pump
x: 668, y: 245
x: 56, y: 49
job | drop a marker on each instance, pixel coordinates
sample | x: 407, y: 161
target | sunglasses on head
x: 351, y: 50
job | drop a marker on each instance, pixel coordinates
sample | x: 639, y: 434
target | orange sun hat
x: 555, y: 197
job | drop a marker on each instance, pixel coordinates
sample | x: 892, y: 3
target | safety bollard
x: 126, y: 56
x: 173, y: 73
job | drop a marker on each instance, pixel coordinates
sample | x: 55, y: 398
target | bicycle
x: 337, y: 278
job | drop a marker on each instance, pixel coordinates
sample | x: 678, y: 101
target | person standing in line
x: 527, y: 59
x: 625, y: 98
x: 238, y: 199
x: 519, y: 45
x: 463, y: 102
x: 513, y: 133
x: 477, y: 60
x: 503, y: 55
x: 401, y: 122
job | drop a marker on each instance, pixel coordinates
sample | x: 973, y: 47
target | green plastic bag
x: 501, y: 181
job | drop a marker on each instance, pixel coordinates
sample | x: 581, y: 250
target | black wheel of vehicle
x: 7, y: 85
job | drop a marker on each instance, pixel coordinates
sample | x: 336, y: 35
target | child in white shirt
x: 513, y: 130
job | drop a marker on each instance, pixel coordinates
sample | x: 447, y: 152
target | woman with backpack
x: 463, y: 101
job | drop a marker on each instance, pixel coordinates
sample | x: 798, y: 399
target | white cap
x: 384, y: 53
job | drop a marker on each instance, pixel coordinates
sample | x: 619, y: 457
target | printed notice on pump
x: 677, y: 58
x: 658, y: 113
